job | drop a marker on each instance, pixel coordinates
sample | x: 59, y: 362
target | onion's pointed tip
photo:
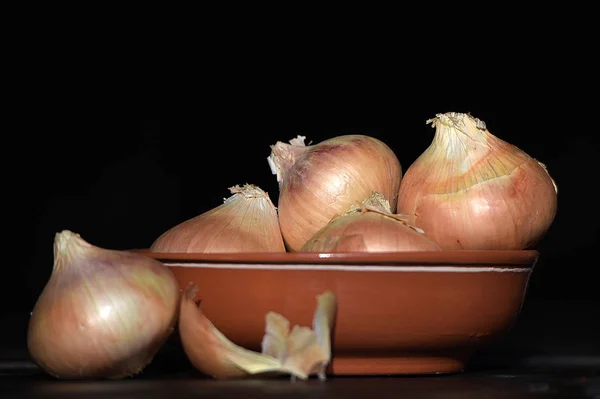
x: 67, y: 234
x: 64, y: 238
x: 249, y: 191
x: 456, y: 120
x: 377, y: 202
x: 68, y: 245
x: 298, y: 141
x: 68, y: 239
x: 283, y: 156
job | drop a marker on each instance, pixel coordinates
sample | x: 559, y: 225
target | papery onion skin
x: 205, y: 347
x: 247, y: 221
x: 369, y: 228
x: 298, y: 352
x: 320, y: 181
x: 103, y: 314
x: 472, y: 190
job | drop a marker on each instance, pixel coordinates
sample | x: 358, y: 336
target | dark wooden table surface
x: 570, y: 382
x: 553, y: 352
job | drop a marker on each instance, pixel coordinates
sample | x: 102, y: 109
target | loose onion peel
x: 299, y: 352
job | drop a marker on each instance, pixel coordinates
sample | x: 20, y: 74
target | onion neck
x: 248, y: 191
x: 67, y: 246
x: 283, y: 156
x: 457, y: 133
x: 377, y: 201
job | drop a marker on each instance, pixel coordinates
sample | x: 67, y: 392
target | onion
x: 318, y: 182
x: 299, y: 352
x: 103, y: 313
x: 247, y: 221
x: 471, y: 190
x: 370, y: 227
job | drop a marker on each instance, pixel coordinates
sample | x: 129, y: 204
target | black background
x: 121, y: 182
x: 73, y: 156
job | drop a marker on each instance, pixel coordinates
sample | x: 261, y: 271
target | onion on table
x: 103, y: 313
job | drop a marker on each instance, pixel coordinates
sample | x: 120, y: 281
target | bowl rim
x: 504, y: 258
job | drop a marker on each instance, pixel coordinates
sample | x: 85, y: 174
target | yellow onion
x: 103, y: 313
x: 247, y: 221
x: 299, y: 352
x: 320, y: 181
x: 471, y: 190
x: 370, y: 227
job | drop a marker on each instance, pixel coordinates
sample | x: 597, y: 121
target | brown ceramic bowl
x: 398, y: 313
